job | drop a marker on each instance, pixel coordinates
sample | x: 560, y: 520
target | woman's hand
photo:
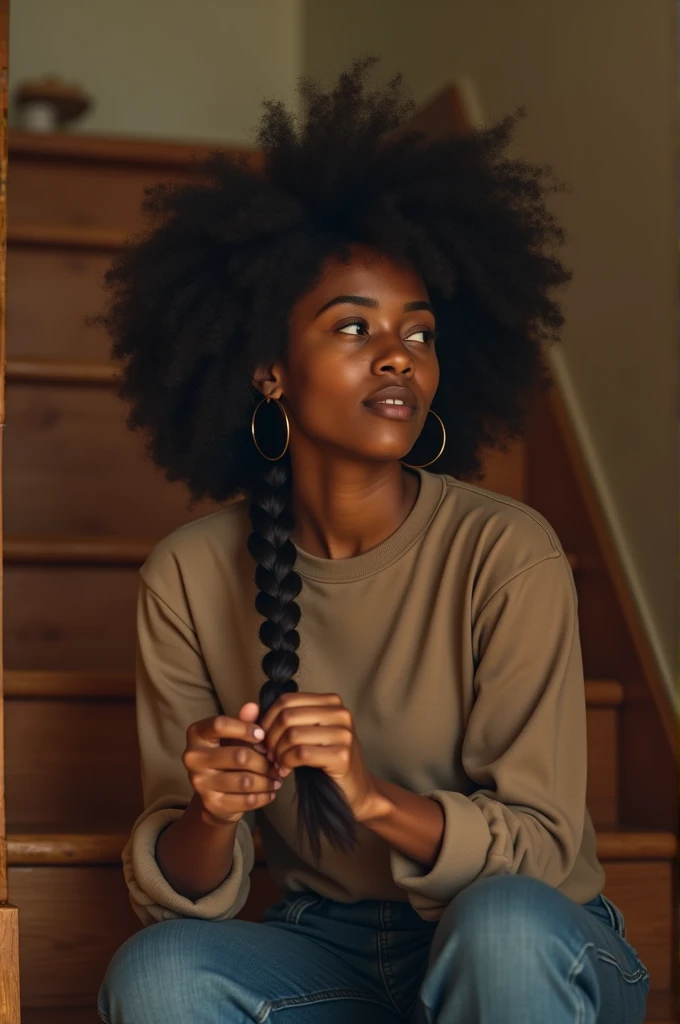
x: 227, y: 774
x: 317, y: 730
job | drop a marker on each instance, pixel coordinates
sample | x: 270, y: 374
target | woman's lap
x: 508, y: 945
x: 513, y: 948
x: 238, y: 971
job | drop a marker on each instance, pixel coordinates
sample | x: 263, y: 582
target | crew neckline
x: 344, y: 570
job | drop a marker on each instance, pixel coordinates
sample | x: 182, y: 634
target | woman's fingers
x: 240, y: 782
x: 312, y: 736
x: 232, y: 758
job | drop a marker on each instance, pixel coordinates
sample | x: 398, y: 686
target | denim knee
x: 514, y: 917
x: 148, y: 976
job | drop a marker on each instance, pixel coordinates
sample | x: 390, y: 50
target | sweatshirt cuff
x: 465, y: 843
x: 154, y: 899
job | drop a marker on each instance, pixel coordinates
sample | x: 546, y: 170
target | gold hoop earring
x: 411, y: 465
x: 252, y: 429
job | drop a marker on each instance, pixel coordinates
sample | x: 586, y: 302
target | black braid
x: 321, y: 805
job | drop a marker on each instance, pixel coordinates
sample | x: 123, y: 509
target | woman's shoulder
x: 502, y: 533
x: 198, y: 547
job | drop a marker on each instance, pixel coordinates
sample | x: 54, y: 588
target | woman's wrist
x: 195, y: 857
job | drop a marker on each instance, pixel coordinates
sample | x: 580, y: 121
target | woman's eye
x: 355, y: 323
x: 428, y: 335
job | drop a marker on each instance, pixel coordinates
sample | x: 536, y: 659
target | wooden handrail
x: 614, y: 568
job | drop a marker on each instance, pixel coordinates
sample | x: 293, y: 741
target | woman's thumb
x: 249, y: 712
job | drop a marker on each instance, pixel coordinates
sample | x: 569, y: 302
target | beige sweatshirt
x: 454, y: 643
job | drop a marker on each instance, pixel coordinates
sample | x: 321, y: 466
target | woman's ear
x: 265, y: 380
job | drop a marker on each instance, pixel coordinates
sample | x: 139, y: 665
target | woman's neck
x: 340, y: 513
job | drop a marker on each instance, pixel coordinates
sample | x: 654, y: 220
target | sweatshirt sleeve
x: 524, y: 747
x: 173, y: 690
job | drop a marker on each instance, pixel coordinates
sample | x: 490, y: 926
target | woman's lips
x: 391, y: 412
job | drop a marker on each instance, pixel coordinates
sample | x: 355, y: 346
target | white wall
x: 599, y: 82
x: 162, y: 68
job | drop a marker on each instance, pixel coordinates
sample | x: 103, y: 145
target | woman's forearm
x: 193, y: 856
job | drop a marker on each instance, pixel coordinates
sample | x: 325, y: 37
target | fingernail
x: 277, y: 784
x: 258, y: 733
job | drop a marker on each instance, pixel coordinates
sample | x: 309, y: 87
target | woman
x: 419, y: 774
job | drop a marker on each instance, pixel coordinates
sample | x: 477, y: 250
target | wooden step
x: 56, y: 550
x: 77, y: 877
x: 661, y: 1009
x: 65, y: 371
x: 60, y: 1015
x: 97, y: 685
x: 72, y: 466
x: 40, y: 845
x: 85, y: 717
x: 50, y: 236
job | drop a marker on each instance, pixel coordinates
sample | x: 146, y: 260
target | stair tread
x: 48, y: 844
x: 78, y: 548
x: 44, y: 684
x: 59, y: 1015
x: 72, y: 550
x: 661, y: 1009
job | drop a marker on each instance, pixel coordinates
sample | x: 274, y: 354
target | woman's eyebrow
x: 356, y: 300
x: 363, y: 300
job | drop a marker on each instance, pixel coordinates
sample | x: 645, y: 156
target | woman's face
x: 364, y: 326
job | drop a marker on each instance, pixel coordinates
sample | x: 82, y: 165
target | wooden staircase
x: 69, y: 827
x: 83, y: 507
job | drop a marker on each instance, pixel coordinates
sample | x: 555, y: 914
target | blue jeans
x: 508, y: 949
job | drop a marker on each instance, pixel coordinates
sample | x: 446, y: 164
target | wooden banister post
x: 9, y: 915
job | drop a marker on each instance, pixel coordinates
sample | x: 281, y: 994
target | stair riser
x: 87, y: 771
x: 72, y: 920
x: 62, y: 967
x: 72, y: 781
x: 72, y: 466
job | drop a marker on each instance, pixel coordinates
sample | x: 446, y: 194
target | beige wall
x: 599, y: 81
x: 162, y: 68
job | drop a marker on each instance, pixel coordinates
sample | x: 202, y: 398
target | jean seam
x: 298, y: 906
x: 383, y: 962
x: 616, y: 918
x: 632, y: 977
x: 576, y: 968
x: 316, y: 997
